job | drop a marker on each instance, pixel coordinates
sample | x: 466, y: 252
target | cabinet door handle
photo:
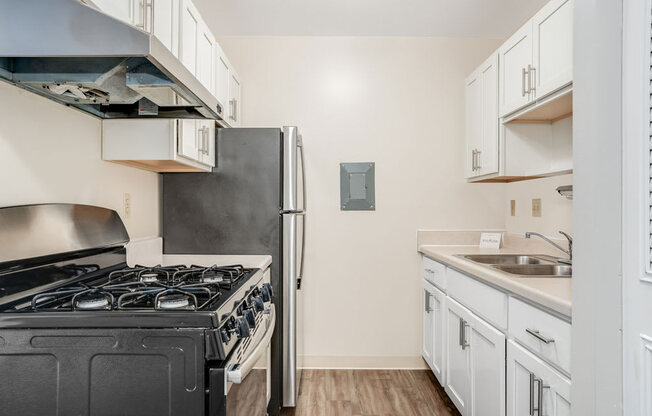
x: 142, y: 5
x: 536, y: 334
x: 150, y: 6
x: 235, y: 110
x: 478, y: 157
x: 427, y: 299
x: 532, y: 378
x: 231, y: 107
x: 532, y: 79
x: 523, y: 92
x: 539, y: 391
x: 430, y: 271
x: 462, y: 339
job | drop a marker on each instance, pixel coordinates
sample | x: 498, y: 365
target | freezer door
x: 292, y: 308
x: 293, y: 176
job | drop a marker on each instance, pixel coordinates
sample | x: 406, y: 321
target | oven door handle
x: 238, y: 372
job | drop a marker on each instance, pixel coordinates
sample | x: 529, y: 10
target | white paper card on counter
x: 490, y: 240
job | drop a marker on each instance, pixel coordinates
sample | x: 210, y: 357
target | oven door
x: 248, y: 373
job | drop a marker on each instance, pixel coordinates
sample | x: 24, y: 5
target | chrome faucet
x: 569, y: 260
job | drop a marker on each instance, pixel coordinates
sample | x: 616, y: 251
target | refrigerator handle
x: 303, y: 236
x: 303, y: 171
x: 303, y: 253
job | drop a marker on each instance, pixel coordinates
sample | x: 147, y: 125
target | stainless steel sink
x: 536, y: 270
x: 538, y: 265
x: 509, y: 259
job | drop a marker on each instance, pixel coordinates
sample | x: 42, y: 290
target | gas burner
x: 149, y: 277
x: 176, y: 301
x: 212, y: 276
x: 92, y: 300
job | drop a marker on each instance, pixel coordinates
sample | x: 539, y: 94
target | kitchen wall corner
x: 50, y: 153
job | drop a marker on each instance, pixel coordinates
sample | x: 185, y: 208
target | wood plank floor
x: 371, y: 393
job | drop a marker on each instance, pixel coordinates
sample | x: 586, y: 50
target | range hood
x: 78, y: 56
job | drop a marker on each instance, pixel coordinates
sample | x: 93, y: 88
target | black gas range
x: 81, y: 333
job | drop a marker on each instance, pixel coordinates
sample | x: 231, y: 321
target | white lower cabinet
x: 458, y: 356
x: 494, y: 354
x: 433, y: 329
x: 475, y: 362
x: 533, y: 387
x: 487, y: 368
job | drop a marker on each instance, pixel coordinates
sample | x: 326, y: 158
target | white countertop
x: 207, y: 260
x: 149, y: 252
x: 551, y: 293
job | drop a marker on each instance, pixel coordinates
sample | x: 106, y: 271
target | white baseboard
x: 364, y: 362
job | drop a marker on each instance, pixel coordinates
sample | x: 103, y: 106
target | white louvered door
x: 637, y: 208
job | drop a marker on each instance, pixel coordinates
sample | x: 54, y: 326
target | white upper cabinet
x: 197, y: 45
x: 515, y: 57
x: 180, y: 27
x: 120, y: 9
x: 473, y: 104
x: 235, y: 95
x: 222, y: 78
x: 158, y: 17
x: 160, y: 145
x: 538, y: 58
x: 552, y: 47
x: 163, y: 22
x: 482, y: 130
x: 188, y: 139
x: 189, y: 28
x: 206, y: 58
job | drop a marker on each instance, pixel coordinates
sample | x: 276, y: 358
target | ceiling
x: 447, y: 18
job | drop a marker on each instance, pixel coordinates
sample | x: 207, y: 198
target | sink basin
x: 536, y: 270
x: 509, y: 259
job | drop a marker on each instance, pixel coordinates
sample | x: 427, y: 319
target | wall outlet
x: 512, y: 207
x: 536, y: 207
x: 126, y: 205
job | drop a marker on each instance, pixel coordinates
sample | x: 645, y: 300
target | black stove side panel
x: 234, y: 210
x: 102, y: 372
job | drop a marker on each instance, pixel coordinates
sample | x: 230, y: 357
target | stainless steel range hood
x: 76, y: 55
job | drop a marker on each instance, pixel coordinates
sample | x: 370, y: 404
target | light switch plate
x: 512, y: 207
x: 536, y: 207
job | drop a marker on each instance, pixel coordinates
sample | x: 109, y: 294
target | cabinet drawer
x: 489, y: 303
x: 434, y: 272
x: 532, y: 327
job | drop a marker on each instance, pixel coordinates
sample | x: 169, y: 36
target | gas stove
x: 90, y: 335
x: 160, y: 288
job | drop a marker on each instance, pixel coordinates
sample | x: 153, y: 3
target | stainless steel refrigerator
x: 254, y: 202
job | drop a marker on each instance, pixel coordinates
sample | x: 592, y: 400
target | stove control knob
x: 269, y: 288
x: 225, y: 335
x: 250, y: 316
x: 259, y: 306
x: 267, y: 294
x: 241, y: 328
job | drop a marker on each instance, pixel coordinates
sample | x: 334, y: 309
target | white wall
x: 398, y: 102
x: 50, y: 153
x: 556, y: 212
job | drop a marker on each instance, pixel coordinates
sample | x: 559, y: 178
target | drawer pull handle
x: 430, y: 271
x: 538, y: 336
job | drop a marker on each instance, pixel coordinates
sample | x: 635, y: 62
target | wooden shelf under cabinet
x: 555, y: 107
